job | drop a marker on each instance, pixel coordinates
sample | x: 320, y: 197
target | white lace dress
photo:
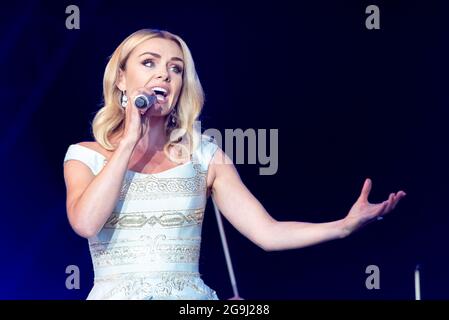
x: 149, y: 247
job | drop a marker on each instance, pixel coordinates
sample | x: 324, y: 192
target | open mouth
x: 161, y: 94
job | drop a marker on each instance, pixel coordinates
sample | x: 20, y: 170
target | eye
x: 147, y: 61
x: 177, y: 69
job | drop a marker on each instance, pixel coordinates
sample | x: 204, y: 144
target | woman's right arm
x: 91, y: 199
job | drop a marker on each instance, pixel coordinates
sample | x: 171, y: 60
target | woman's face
x: 154, y: 64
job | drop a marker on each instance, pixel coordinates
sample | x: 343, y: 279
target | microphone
x: 143, y: 101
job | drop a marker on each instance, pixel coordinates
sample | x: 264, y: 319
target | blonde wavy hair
x: 110, y: 119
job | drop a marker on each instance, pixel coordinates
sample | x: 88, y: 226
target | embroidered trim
x: 151, y: 187
x: 168, y: 219
x: 160, y: 285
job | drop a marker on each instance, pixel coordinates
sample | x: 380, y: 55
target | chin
x: 158, y: 113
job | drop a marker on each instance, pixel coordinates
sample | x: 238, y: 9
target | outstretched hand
x: 363, y: 212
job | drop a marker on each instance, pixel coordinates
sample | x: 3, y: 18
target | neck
x: 154, y: 137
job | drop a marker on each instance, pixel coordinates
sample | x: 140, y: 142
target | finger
x: 397, y: 198
x: 143, y: 110
x: 381, y: 210
x: 366, y: 189
x: 394, y: 202
x: 389, y: 203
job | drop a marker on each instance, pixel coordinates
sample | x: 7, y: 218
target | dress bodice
x: 149, y: 247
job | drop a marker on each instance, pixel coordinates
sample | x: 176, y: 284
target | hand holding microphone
x: 144, y: 100
x: 135, y: 127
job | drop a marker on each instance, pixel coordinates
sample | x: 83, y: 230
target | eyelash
x: 145, y: 62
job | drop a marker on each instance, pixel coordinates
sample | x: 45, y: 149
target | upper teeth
x: 160, y: 89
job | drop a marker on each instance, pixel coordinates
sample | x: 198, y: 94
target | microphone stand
x: 226, y: 252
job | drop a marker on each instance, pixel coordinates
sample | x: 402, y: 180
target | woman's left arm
x: 250, y: 218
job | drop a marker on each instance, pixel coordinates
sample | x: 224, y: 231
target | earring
x: 173, y: 118
x: 124, y: 99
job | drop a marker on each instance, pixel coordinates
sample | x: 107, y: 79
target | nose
x: 163, y: 74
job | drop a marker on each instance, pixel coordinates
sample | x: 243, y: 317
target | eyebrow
x: 159, y: 56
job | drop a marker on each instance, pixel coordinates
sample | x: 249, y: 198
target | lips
x: 161, y: 92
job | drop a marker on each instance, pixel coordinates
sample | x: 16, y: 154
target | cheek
x: 178, y: 87
x: 138, y: 75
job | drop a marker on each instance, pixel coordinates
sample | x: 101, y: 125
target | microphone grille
x: 143, y: 101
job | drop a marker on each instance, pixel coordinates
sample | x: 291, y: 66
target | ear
x: 121, y: 81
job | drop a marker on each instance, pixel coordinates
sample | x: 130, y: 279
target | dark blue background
x: 349, y: 103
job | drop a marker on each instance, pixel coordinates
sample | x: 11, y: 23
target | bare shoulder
x: 220, y: 157
x: 222, y: 166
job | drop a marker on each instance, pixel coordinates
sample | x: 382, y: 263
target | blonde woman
x: 138, y: 192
